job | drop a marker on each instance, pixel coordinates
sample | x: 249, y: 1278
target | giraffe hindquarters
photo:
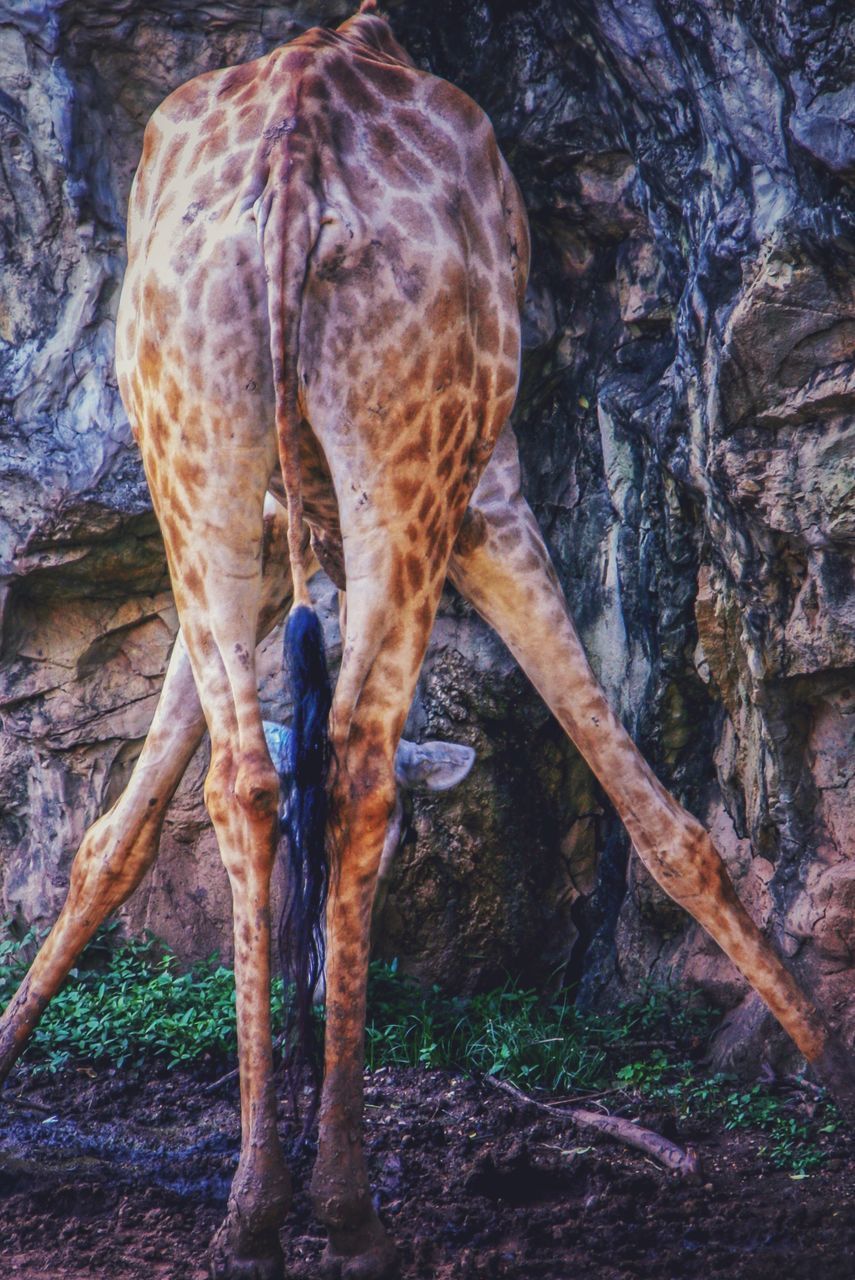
x: 500, y: 563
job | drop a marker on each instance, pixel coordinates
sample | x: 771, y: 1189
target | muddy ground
x: 123, y: 1175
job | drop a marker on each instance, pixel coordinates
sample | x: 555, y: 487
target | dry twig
x: 685, y: 1163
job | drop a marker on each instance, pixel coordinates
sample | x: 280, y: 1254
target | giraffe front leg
x: 114, y: 855
x: 501, y: 565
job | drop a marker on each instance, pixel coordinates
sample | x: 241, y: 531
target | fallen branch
x: 685, y: 1163
x: 215, y: 1084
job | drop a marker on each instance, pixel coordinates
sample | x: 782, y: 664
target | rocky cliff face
x: 686, y: 425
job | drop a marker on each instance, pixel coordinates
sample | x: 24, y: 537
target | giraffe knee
x: 257, y: 786
x: 247, y: 785
x: 108, y: 865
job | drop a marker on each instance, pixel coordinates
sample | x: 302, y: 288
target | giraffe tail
x: 301, y: 934
x: 288, y: 216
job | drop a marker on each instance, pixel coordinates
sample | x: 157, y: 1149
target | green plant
x: 15, y: 954
x: 130, y: 1001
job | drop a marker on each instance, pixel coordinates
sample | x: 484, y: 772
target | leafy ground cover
x: 129, y: 1003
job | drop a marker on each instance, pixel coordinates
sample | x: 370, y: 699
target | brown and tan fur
x: 334, y: 206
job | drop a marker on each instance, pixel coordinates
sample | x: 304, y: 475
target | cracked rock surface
x: 686, y: 427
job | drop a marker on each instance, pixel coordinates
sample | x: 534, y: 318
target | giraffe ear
x: 432, y: 766
x: 278, y: 739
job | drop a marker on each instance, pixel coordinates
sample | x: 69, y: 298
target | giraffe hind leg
x: 215, y: 541
x: 372, y: 698
x: 121, y: 845
x: 397, y: 531
x: 242, y: 797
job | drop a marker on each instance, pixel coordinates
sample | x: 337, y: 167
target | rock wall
x: 686, y: 425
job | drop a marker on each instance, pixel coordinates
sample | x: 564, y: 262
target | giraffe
x: 327, y: 260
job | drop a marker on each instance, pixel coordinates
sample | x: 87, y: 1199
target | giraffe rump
x: 301, y: 938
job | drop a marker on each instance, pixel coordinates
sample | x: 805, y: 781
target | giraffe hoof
x: 259, y: 1259
x: 378, y: 1261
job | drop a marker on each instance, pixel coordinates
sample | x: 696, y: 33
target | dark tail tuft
x: 301, y: 938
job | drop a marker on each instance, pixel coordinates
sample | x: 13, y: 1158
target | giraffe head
x: 419, y: 766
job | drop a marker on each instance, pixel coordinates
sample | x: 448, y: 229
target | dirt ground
x: 123, y: 1175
